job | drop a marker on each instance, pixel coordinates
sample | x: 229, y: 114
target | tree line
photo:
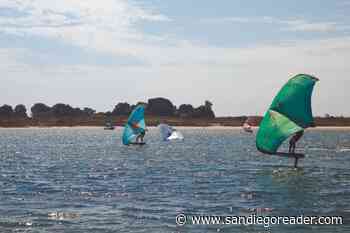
x: 154, y: 107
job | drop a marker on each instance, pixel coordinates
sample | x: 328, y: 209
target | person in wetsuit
x: 294, y: 140
x: 140, y: 137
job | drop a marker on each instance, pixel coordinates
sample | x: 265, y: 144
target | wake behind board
x: 290, y: 155
x: 137, y: 143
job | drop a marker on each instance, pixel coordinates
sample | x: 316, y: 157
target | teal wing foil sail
x: 135, y: 125
x: 289, y: 113
x: 128, y: 135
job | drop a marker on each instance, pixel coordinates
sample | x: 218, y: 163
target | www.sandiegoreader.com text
x: 266, y: 221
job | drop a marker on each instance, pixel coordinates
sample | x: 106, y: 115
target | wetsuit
x: 294, y: 140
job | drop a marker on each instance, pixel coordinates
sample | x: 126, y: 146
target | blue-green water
x: 84, y: 180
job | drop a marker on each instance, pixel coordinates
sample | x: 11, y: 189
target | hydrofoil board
x: 137, y: 143
x: 290, y: 155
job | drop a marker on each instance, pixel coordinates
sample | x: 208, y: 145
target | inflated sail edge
x: 289, y: 113
x: 294, y: 100
x: 137, y: 117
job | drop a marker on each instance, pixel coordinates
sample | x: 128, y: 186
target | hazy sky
x: 234, y: 53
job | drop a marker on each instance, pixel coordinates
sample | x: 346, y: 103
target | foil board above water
x: 137, y: 143
x: 290, y: 155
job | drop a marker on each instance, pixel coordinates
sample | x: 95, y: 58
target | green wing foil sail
x: 289, y: 113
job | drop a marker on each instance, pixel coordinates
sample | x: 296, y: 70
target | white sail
x: 169, y: 133
x: 176, y: 135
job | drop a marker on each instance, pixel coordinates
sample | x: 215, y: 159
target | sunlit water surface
x: 84, y: 180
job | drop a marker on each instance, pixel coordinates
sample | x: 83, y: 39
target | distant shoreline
x: 99, y: 120
x: 157, y: 110
x: 179, y: 127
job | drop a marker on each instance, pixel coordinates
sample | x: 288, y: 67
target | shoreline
x: 178, y: 127
x: 100, y: 121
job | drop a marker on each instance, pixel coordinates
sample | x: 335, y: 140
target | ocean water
x: 84, y: 180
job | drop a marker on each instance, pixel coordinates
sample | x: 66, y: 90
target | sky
x: 237, y: 54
